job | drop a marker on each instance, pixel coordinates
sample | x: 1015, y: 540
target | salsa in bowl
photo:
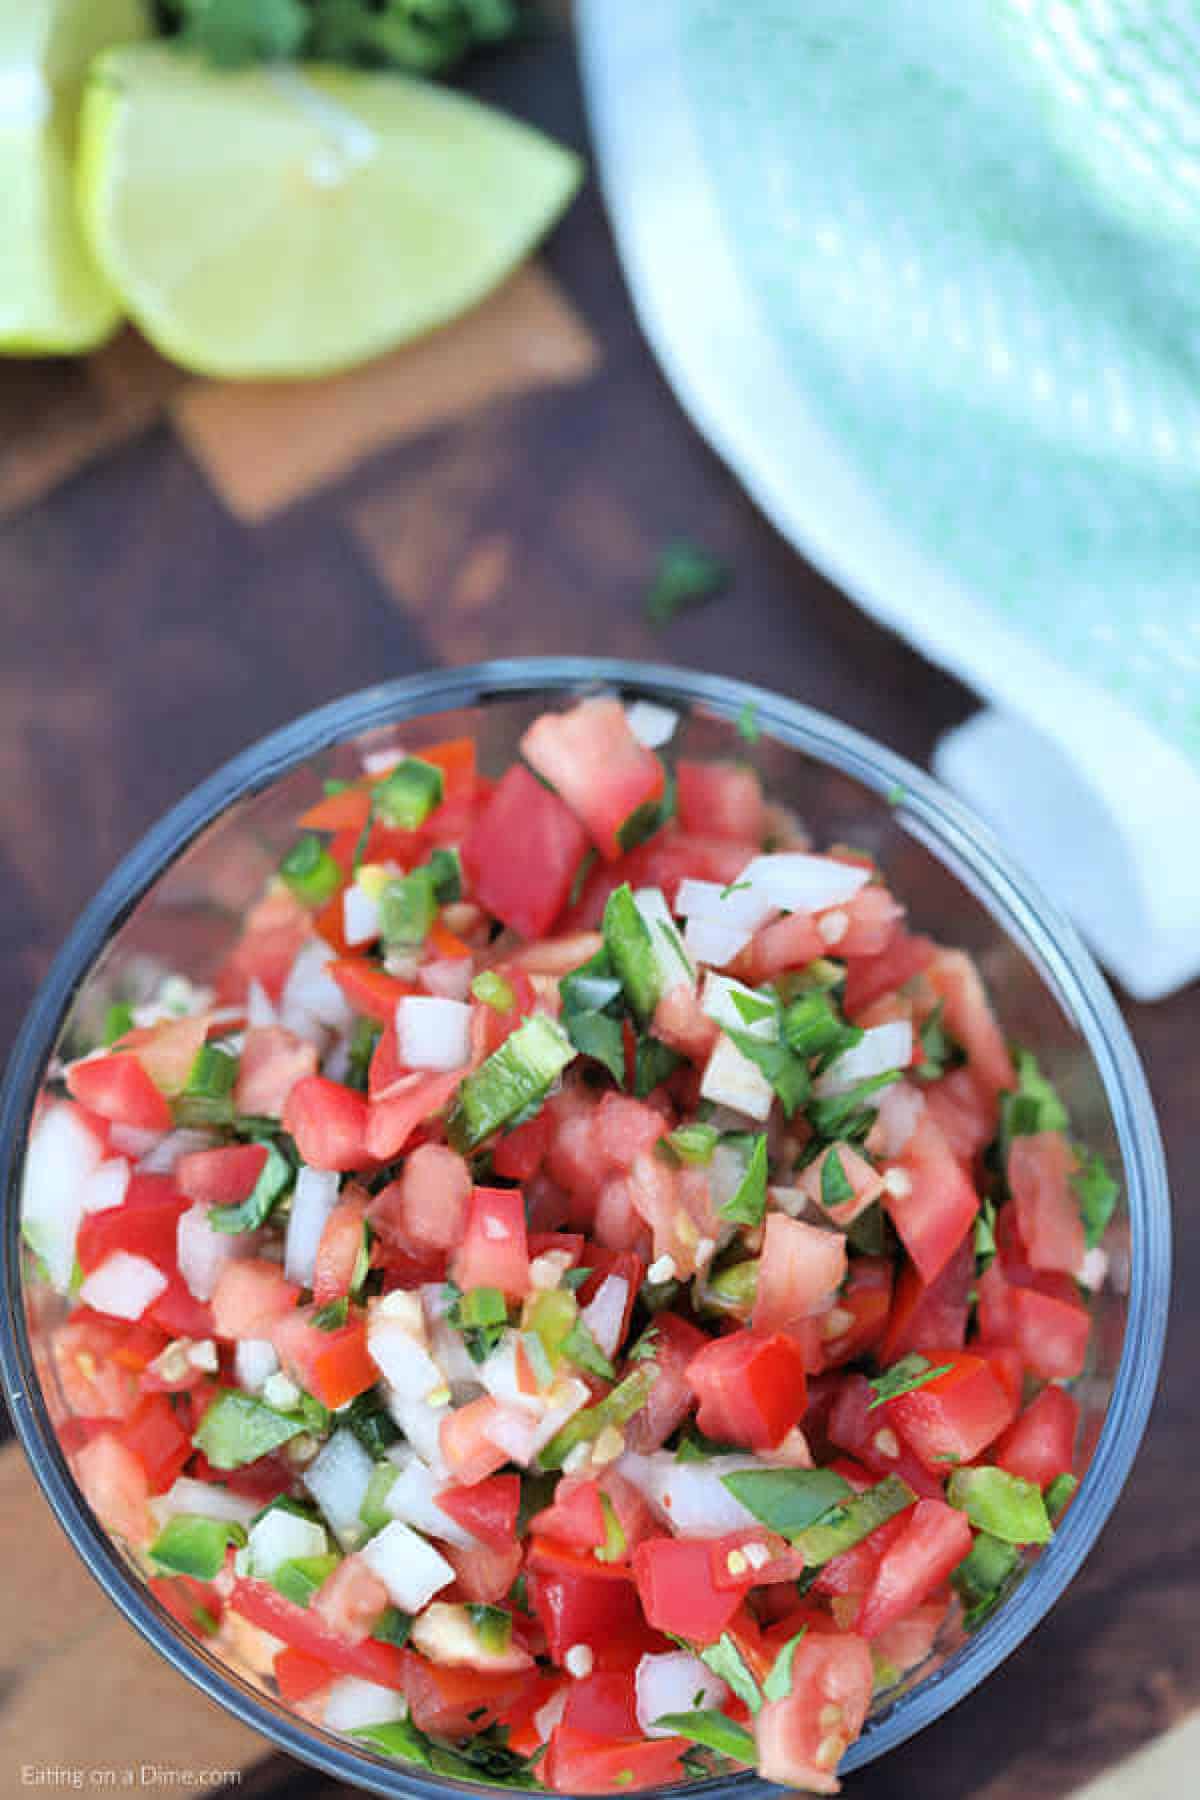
x: 545, y: 1262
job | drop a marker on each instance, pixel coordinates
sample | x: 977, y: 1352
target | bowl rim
x: 931, y: 814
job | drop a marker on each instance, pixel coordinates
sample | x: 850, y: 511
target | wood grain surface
x: 183, y: 567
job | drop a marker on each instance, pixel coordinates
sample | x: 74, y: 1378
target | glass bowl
x: 175, y: 902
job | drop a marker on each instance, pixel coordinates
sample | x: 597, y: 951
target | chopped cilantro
x: 749, y: 1202
x: 911, y: 1372
x: 836, y: 1186
x: 685, y: 576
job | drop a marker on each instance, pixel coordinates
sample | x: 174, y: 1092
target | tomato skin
x: 118, y: 1088
x: 494, y: 1251
x: 671, y: 1397
x: 301, y: 1628
x: 391, y: 1121
x: 832, y: 1679
x: 96, y: 1380
x: 751, y: 1387
x: 591, y: 757
x: 522, y: 854
x: 161, y: 1446
x: 955, y: 1416
x: 329, y: 1124
x: 936, y: 1214
x: 1047, y: 1214
x: 854, y: 1570
x: 333, y: 1365
x: 338, y: 1252
x: 368, y: 989
x: 1041, y: 1443
x: 934, y: 1541
x: 220, y: 1177
x: 299, y: 1676
x: 926, y: 1313
x: 488, y: 1510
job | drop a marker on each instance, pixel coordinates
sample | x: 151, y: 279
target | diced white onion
x: 260, y: 1008
x: 254, y: 1362
x: 314, y: 1199
x: 674, y: 1682
x: 498, y: 1373
x: 132, y: 1141
x: 731, y: 1079
x: 718, y: 1000
x: 727, y: 903
x: 105, y: 1187
x: 280, y: 1536
x: 409, y: 1567
x: 310, y: 991
x: 450, y: 977
x: 380, y: 762
x: 360, y: 915
x: 690, y: 1496
x: 604, y: 1314
x: 402, y: 1359
x: 421, y: 1424
x: 651, y: 724
x: 522, y: 1434
x: 162, y: 1155
x: 797, y: 882
x: 123, y: 1286
x: 352, y: 1703
x: 713, y: 944
x: 432, y: 1033
x: 205, y: 1500
x: 412, y: 1498
x: 881, y: 1049
x: 671, y: 960
x: 548, y: 1716
x: 62, y: 1155
x: 1092, y: 1272
x: 337, y: 1480
x: 900, y: 1109
x: 202, y: 1253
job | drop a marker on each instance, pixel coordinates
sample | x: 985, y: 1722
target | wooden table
x: 184, y: 566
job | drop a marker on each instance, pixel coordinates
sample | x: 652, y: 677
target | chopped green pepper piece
x: 518, y: 1075
x: 616, y: 1408
x: 371, y: 1423
x: 749, y: 1202
x: 733, y: 1288
x: 1059, y: 1495
x: 393, y: 1627
x: 983, y: 1574
x: 274, y: 1179
x: 704, y: 1725
x: 493, y: 1627
x: 552, y: 1314
x: 191, y: 1545
x: 853, y: 1520
x: 117, y: 1021
x: 812, y: 1026
x: 299, y: 1578
x: 408, y: 794
x: 407, y: 909
x: 1004, y: 1505
x: 239, y: 1429
x: 581, y: 1348
x: 445, y: 866
x: 631, y: 952
x: 694, y: 1143
x: 208, y: 1097
x: 493, y: 991
x: 311, y: 872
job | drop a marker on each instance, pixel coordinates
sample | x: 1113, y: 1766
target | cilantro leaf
x: 849, y: 1115
x: 836, y: 1186
x: 583, y: 1350
x: 274, y: 1179
x: 726, y: 1660
x: 787, y: 1500
x: 712, y: 1729
x: 911, y: 1372
x: 685, y: 576
x: 748, y: 728
x: 939, y: 1051
x: 786, y: 1072
x: 1096, y: 1192
x: 230, y: 32
x: 778, y: 1684
x: 749, y: 1203
x: 1034, y: 1107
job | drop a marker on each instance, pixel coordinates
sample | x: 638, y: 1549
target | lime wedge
x: 297, y: 218
x: 53, y: 299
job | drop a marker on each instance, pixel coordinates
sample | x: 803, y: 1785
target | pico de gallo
x: 587, y: 1295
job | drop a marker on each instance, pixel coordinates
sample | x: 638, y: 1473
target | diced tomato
x: 469, y: 1453
x: 1039, y: 1173
x: 494, y: 1251
x: 196, y: 1605
x: 905, y: 1645
x: 664, y: 860
x: 800, y: 1738
x: 518, y: 1154
x: 302, y: 1628
x: 730, y: 1568
x: 329, y: 1124
x: 167, y: 1050
x: 930, y: 1313
x: 333, y: 1365
x: 1051, y: 1331
x: 857, y: 1322
x: 392, y: 1121
x: 578, y: 1600
x: 969, y: 1019
x: 154, y: 1435
x: 523, y: 853
x: 116, y: 1487
x: 179, y: 1313
x: 854, y: 1570
x: 868, y: 978
x: 488, y: 1510
x: 1006, y: 1365
x: 484, y: 1575
x: 751, y: 1387
x: 682, y: 1024
x: 298, y: 1676
x: 952, y: 1418
x: 720, y: 799
x: 341, y: 1246
x: 597, y: 1746
x: 249, y: 1297
x: 369, y: 989
x: 590, y: 756
x: 863, y: 1429
x: 622, y: 1128
x: 455, y: 757
x: 273, y: 1060
x: 222, y: 1177
x: 963, y: 1113
x: 939, y: 1209
x: 426, y: 1208
x: 801, y: 1267
x: 346, y: 810
x: 143, y: 1225
x: 118, y: 1088
x: 787, y: 943
x: 456, y: 1703
x: 934, y: 1541
x: 263, y: 1480
x: 576, y: 1516
x: 675, y: 1344
x: 520, y: 1719
x: 275, y: 930
x: 351, y: 1599
x: 1041, y: 1444
x: 96, y: 1383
